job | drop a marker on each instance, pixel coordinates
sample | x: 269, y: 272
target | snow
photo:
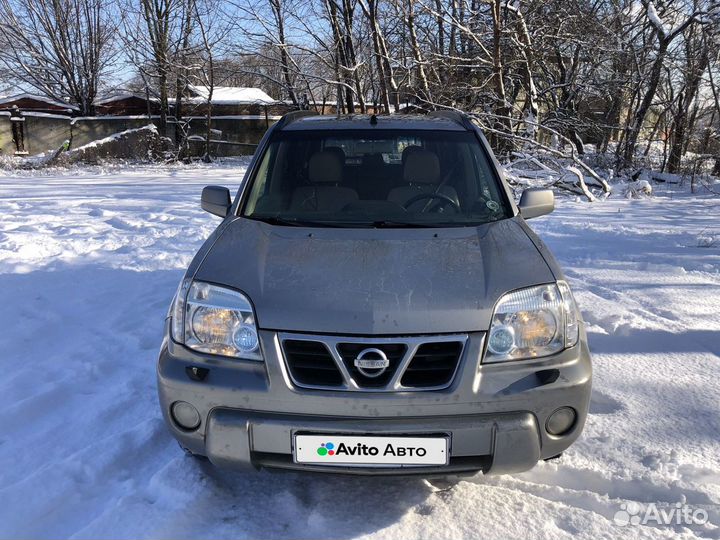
x: 229, y: 95
x: 36, y: 97
x: 656, y: 21
x: 111, y: 98
x: 150, y: 128
x: 89, y: 259
x: 39, y: 114
x: 638, y: 188
x: 115, y: 117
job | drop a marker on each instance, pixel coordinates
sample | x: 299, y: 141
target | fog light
x: 561, y: 421
x: 185, y: 415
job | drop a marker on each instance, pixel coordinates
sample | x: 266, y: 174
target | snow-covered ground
x: 90, y: 259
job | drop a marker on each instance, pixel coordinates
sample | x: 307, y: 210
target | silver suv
x: 373, y: 302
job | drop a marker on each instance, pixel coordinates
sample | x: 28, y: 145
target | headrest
x: 409, y: 150
x: 325, y: 167
x: 421, y: 167
x: 338, y: 151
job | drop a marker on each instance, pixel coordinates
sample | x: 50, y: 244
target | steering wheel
x: 444, y: 201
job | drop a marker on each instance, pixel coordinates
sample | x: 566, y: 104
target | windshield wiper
x: 294, y: 222
x: 391, y: 224
x: 378, y: 224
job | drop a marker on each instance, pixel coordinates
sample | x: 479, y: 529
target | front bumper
x: 494, y: 414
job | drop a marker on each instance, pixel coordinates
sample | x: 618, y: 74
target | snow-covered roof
x: 119, y: 97
x: 44, y: 99
x: 231, y: 95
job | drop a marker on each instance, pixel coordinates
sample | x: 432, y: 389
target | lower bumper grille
x: 373, y: 364
x: 462, y: 464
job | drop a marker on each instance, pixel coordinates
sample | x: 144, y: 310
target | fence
x: 33, y: 133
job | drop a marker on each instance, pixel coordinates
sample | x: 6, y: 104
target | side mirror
x: 216, y: 200
x: 535, y: 202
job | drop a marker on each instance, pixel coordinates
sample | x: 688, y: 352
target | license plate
x: 370, y: 451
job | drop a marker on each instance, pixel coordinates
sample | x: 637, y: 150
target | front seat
x: 324, y: 194
x: 421, y: 174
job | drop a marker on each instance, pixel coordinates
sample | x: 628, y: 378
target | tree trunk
x: 342, y: 63
x: 530, y: 106
x: 181, y: 80
x: 501, y: 106
x: 348, y: 16
x: 390, y: 73
x: 417, y: 55
x: 277, y: 9
x: 208, y: 120
x: 370, y: 11
x: 163, y: 90
x: 682, y: 123
x: 642, y: 111
x: 452, y: 45
x: 617, y: 100
x: 440, y: 27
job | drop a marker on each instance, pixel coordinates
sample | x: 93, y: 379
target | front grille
x: 394, y: 352
x: 311, y: 363
x: 414, y: 363
x: 433, y: 364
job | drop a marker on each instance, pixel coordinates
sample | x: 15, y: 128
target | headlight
x: 215, y: 320
x: 531, y: 323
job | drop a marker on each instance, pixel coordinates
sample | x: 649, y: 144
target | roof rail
x: 290, y: 117
x: 456, y: 116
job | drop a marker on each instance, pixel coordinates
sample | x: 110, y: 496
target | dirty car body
x: 373, y: 302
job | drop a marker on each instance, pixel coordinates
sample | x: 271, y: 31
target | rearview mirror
x: 535, y: 202
x: 216, y: 200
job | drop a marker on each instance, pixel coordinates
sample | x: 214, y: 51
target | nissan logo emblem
x: 372, y: 362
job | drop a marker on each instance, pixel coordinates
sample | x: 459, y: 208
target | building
x: 233, y: 101
x: 127, y: 104
x: 35, y: 103
x: 226, y: 101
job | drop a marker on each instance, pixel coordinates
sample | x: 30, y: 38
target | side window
x: 489, y: 188
x: 463, y: 177
x: 260, y: 186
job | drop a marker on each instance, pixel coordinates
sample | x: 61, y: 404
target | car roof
x: 363, y: 121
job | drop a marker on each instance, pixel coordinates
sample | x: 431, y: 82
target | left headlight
x: 532, y: 323
x: 215, y: 320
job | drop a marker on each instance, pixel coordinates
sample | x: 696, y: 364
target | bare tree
x: 553, y: 72
x: 279, y: 15
x: 59, y: 48
x: 213, y: 30
x: 665, y: 37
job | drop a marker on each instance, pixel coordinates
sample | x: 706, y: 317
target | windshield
x: 375, y: 179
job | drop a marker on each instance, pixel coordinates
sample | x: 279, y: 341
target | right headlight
x: 216, y: 320
x: 532, y: 323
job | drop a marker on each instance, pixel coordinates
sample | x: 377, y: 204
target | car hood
x: 374, y: 281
